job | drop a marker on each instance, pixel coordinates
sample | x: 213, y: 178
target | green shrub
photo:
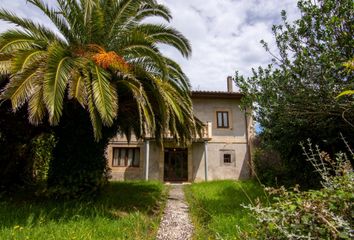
x: 315, y: 214
x: 42, y: 151
x: 274, y: 169
x: 16, y: 150
x: 79, y: 166
x: 269, y: 167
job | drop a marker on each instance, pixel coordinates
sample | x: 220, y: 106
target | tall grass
x: 216, y: 208
x: 124, y: 210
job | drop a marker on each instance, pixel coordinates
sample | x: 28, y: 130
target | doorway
x: 176, y: 164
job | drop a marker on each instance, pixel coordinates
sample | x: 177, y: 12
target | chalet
x: 223, y: 152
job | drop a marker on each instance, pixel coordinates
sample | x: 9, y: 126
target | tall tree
x: 100, y: 50
x: 105, y: 57
x: 295, y: 96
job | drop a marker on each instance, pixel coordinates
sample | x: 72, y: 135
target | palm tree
x: 104, y: 56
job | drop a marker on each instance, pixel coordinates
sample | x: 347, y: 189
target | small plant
x: 315, y: 214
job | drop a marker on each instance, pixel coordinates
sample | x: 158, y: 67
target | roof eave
x: 216, y: 94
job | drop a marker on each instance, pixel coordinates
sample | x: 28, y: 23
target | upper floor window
x: 222, y: 118
x: 126, y: 157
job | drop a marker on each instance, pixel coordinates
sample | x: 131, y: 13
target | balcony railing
x: 206, y: 133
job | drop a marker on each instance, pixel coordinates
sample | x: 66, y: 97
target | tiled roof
x: 216, y: 94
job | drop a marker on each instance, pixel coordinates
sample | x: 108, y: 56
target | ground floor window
x: 126, y: 157
x: 227, y: 157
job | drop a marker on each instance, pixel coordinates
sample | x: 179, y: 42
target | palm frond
x: 123, y: 11
x: 5, y: 63
x: 87, y: 6
x: 14, y: 40
x: 5, y: 67
x: 59, y: 67
x: 74, y: 17
x: 37, y: 30
x: 104, y: 95
x: 60, y: 23
x: 98, y: 27
x: 94, y: 115
x: 5, y: 56
x: 20, y: 87
x: 146, y: 51
x: 36, y: 106
x: 177, y: 75
x: 166, y: 35
x: 25, y: 58
x: 146, y: 114
x: 175, y: 111
x: 77, y: 89
x: 171, y: 98
x: 157, y: 10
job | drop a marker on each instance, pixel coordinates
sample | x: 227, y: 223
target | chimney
x: 229, y: 84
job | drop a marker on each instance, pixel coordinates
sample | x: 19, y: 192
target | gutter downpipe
x: 147, y: 153
x: 248, y: 146
x: 206, y: 159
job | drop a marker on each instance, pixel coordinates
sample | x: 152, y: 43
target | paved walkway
x: 175, y: 224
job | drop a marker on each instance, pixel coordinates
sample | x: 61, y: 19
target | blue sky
x: 224, y: 34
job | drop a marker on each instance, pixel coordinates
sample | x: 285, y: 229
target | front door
x: 176, y: 164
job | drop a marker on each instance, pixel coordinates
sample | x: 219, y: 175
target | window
x: 126, y: 157
x: 227, y: 158
x: 222, y: 119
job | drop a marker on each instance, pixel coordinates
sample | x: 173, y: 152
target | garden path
x: 175, y: 223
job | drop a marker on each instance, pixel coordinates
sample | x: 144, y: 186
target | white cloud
x: 224, y: 34
x: 26, y: 10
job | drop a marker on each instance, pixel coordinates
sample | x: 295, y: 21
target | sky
x: 225, y: 35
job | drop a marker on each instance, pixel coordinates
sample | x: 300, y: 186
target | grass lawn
x: 125, y: 210
x: 216, y: 211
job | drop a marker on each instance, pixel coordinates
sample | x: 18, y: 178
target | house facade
x: 223, y: 152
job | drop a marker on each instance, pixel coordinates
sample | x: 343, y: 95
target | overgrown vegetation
x: 306, y: 92
x: 295, y: 97
x: 216, y: 208
x: 79, y: 165
x: 125, y: 210
x: 316, y: 214
x: 22, y: 147
x: 269, y: 167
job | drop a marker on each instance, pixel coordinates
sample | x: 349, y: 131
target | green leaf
x: 346, y: 93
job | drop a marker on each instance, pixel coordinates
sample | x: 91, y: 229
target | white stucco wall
x: 233, y: 140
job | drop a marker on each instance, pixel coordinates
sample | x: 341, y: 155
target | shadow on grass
x: 117, y: 200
